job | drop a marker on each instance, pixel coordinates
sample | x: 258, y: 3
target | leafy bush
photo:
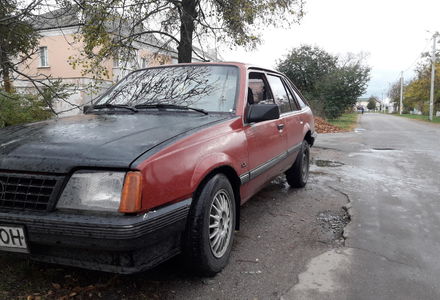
x: 332, y: 84
x: 371, y: 103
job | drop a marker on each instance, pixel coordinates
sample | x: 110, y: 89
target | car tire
x: 210, y: 227
x: 298, y: 174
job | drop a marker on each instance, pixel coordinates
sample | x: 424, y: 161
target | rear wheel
x: 298, y: 174
x: 211, y: 224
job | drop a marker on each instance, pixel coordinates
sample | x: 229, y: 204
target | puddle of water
x: 359, y: 129
x: 328, y: 163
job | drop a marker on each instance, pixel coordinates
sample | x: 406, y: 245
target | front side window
x: 279, y: 93
x: 43, y: 57
x: 212, y: 88
x: 258, y: 91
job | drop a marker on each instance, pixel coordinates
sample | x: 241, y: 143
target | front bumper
x: 120, y: 244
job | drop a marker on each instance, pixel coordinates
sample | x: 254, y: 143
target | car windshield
x: 207, y: 87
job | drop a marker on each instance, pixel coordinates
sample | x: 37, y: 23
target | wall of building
x: 62, y: 47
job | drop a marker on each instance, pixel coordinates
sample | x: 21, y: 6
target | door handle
x: 280, y: 127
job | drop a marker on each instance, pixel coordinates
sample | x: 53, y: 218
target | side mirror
x: 263, y: 112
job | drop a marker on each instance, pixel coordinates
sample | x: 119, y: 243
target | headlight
x: 93, y: 191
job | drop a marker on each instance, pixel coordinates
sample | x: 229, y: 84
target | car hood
x: 93, y: 140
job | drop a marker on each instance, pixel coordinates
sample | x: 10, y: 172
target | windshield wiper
x: 170, y: 106
x: 109, y: 105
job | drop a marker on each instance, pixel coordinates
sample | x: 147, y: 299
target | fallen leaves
x: 322, y: 126
x: 56, y: 286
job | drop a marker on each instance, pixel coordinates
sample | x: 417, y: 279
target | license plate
x: 13, y: 238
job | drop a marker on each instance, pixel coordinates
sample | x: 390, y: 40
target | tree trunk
x: 4, y: 65
x: 187, y: 16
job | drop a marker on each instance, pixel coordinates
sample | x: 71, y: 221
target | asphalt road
x: 391, y: 174
x: 290, y: 245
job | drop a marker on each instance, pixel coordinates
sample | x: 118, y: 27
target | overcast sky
x: 392, y: 32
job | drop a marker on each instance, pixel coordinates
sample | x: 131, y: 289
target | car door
x: 290, y: 114
x: 267, y: 140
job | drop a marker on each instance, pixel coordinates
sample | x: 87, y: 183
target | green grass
x: 420, y: 117
x: 347, y: 121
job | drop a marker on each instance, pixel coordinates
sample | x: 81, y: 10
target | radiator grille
x: 20, y: 191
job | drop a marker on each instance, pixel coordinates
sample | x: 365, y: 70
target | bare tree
x: 110, y: 28
x: 19, y: 42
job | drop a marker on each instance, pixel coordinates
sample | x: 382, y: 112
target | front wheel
x: 211, y: 224
x: 298, y: 174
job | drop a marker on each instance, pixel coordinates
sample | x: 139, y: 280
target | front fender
x: 209, y: 163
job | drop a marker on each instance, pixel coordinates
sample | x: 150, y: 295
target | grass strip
x: 347, y: 121
x: 419, y: 117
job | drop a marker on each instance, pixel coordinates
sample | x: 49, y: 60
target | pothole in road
x: 333, y: 223
x: 384, y: 149
x: 328, y: 163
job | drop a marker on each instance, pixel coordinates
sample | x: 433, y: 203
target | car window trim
x: 237, y: 90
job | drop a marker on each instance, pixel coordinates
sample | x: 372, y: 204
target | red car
x: 158, y: 166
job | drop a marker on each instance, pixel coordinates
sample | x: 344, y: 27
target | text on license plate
x: 13, y: 239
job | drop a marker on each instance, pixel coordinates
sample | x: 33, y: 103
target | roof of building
x: 60, y: 18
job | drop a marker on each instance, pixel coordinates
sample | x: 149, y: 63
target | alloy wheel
x: 220, y: 223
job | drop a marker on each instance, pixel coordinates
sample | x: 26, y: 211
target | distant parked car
x: 159, y: 165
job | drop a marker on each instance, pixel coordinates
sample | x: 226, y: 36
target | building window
x: 115, y: 62
x: 43, y: 57
x: 144, y: 62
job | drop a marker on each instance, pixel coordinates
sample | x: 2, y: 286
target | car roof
x: 225, y: 63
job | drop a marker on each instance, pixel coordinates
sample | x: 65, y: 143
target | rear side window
x: 298, y: 98
x: 279, y: 93
x: 293, y: 103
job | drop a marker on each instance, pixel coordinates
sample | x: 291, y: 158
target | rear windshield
x: 212, y: 88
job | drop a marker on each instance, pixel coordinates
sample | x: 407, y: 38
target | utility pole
x: 401, y: 93
x: 381, y: 104
x: 431, y: 97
